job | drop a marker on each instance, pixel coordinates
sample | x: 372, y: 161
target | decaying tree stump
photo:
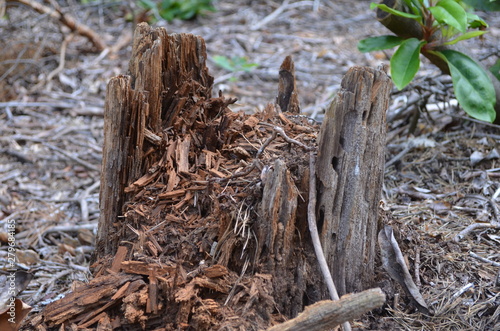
x: 204, y: 210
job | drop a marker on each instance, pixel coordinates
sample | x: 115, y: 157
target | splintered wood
x: 203, y: 219
x: 288, y: 98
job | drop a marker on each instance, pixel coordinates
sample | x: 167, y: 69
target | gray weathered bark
x: 350, y: 171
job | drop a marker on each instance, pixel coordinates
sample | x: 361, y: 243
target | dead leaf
x: 216, y: 270
x: 12, y: 285
x: 440, y: 207
x: 12, y: 317
x: 394, y: 263
x: 27, y: 257
x: 12, y: 310
x: 476, y: 157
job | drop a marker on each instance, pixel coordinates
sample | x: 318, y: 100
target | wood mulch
x: 439, y: 180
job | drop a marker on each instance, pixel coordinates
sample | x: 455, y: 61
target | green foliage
x: 449, y: 12
x: 486, y: 5
x: 495, y: 69
x: 467, y: 35
x: 452, y: 23
x: 394, y: 11
x: 177, y: 9
x: 473, y: 87
x: 405, y: 62
x: 379, y: 43
x: 234, y: 64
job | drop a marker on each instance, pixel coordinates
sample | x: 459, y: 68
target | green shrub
x: 177, y: 9
x: 443, y: 23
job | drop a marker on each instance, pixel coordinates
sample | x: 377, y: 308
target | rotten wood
x: 288, y: 99
x: 87, y: 298
x: 350, y: 168
x: 167, y: 76
x: 326, y: 315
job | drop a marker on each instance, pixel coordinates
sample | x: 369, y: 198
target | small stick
x: 282, y: 133
x: 417, y: 267
x: 474, y: 255
x: 265, y: 144
x: 71, y: 228
x: 462, y: 234
x: 86, y: 164
x: 62, y: 57
x: 396, y: 158
x: 461, y: 291
x: 271, y: 16
x: 67, y: 20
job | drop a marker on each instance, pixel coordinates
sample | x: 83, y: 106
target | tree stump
x: 204, y: 210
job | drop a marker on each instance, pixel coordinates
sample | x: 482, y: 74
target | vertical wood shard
x: 350, y: 170
x: 288, y: 98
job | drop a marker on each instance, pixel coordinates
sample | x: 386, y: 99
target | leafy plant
x: 442, y: 23
x: 234, y: 64
x: 177, y: 9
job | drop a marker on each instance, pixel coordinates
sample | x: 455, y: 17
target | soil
x: 442, y: 172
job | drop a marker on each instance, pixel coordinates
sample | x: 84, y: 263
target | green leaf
x: 476, y: 22
x: 236, y: 63
x: 467, y: 35
x: 247, y: 67
x: 378, y: 43
x: 473, y: 87
x: 414, y: 6
x: 224, y: 62
x: 394, y: 11
x: 495, y: 69
x: 405, y: 62
x: 451, y: 13
x: 484, y: 5
x: 147, y: 4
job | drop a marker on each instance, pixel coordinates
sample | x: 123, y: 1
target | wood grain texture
x: 288, y: 98
x: 350, y: 170
x: 168, y: 85
x: 325, y: 315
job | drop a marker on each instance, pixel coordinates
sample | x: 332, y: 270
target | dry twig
x: 67, y: 20
x: 494, y: 224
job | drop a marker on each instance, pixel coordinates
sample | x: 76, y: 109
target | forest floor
x: 440, y: 178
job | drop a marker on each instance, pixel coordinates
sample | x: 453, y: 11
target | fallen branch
x: 67, y: 20
x: 60, y: 67
x: 480, y: 258
x: 325, y: 315
x: 494, y: 224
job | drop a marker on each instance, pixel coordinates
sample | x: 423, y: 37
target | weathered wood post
x: 350, y: 169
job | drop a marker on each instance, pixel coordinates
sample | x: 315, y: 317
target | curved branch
x: 67, y: 20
